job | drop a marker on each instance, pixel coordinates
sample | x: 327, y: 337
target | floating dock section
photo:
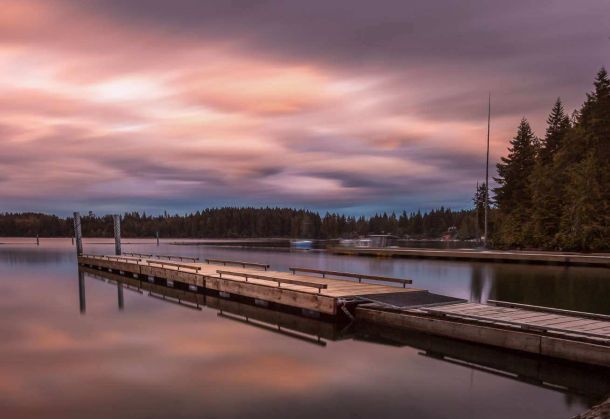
x: 374, y: 300
x: 552, y: 258
x: 322, y: 294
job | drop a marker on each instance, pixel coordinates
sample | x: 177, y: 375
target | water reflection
x: 120, y: 299
x: 82, y: 301
x: 590, y: 384
x: 162, y: 357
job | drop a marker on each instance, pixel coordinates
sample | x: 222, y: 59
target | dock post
x: 81, y: 292
x: 117, y: 234
x: 78, y: 234
x: 157, y: 238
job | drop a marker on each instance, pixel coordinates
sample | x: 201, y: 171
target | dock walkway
x: 594, y: 329
x: 575, y: 336
x: 554, y: 258
x: 322, y: 294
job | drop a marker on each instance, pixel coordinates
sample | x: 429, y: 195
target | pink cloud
x: 98, y: 108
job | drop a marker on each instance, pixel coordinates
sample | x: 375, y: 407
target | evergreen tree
x: 585, y: 222
x: 558, y: 124
x: 513, y: 195
x: 548, y: 181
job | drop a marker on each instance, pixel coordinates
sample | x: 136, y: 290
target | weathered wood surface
x: 509, y: 304
x: 301, y: 291
x: 556, y: 334
x: 525, y: 318
x: 489, y: 333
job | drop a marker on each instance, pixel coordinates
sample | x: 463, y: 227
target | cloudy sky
x: 356, y: 106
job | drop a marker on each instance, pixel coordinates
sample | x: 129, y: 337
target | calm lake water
x: 156, y: 359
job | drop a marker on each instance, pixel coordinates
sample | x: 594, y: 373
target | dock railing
x: 144, y: 255
x: 115, y: 258
x: 279, y: 280
x: 168, y: 257
x: 163, y: 263
x: 225, y: 262
x: 357, y: 276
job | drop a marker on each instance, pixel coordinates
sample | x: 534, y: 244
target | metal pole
x: 117, y: 234
x: 78, y: 235
x: 487, y: 168
x: 476, y: 224
x: 37, y: 240
x: 157, y: 238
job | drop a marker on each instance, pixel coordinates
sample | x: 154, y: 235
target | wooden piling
x: 117, y: 234
x: 78, y: 234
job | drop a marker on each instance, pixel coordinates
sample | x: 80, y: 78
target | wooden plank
x: 307, y: 300
x: 551, y: 310
x: 605, y: 332
x: 566, y: 322
x: 593, y: 327
x: 511, y: 323
x: 579, y: 322
x: 520, y: 316
x: 459, y: 306
x: 483, y: 311
x: 355, y: 293
x: 550, y: 321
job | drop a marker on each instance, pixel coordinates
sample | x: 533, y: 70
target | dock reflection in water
x: 162, y: 357
x: 589, y: 384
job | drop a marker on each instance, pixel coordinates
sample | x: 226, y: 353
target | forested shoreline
x: 231, y: 222
x: 552, y: 193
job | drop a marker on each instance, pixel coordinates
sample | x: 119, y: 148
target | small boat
x: 301, y: 244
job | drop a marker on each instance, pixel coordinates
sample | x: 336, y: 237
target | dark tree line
x: 554, y: 192
x: 246, y: 222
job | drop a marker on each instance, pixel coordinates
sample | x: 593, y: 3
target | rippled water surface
x: 119, y: 353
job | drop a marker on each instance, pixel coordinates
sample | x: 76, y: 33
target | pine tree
x: 513, y: 195
x: 585, y: 222
x: 548, y: 181
x: 558, y: 124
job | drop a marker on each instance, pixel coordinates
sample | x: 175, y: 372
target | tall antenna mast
x: 476, y: 223
x: 487, y: 168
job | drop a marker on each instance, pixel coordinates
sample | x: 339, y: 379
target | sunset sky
x: 354, y: 106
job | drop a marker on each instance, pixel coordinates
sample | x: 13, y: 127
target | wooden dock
x: 553, y: 258
x: 321, y: 294
x: 564, y: 334
x: 573, y: 336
